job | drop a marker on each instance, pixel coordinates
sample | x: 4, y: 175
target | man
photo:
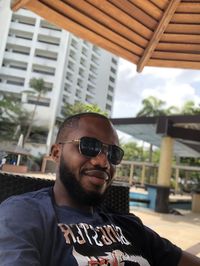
x: 63, y: 226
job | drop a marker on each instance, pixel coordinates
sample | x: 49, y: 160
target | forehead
x: 97, y: 127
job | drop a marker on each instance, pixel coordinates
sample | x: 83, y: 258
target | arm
x: 19, y: 234
x: 188, y: 259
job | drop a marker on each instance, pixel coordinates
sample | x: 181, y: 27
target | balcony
x: 46, y: 46
x: 44, y: 62
x: 19, y: 42
x: 16, y: 57
x: 46, y: 78
x: 22, y: 27
x: 49, y: 32
x: 6, y: 71
x: 11, y: 88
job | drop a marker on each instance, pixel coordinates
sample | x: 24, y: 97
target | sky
x: 172, y: 85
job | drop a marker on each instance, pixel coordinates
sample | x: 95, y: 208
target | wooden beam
x: 179, y: 56
x: 17, y: 4
x: 169, y: 12
x: 68, y: 24
x: 173, y: 63
x: 180, y: 38
x: 183, y: 28
x: 180, y: 47
x: 184, y: 133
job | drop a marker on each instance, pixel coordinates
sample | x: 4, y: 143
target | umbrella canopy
x: 163, y: 33
x: 184, y: 129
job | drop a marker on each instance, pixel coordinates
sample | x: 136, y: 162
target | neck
x: 62, y: 198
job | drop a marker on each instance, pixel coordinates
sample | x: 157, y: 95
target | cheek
x: 73, y: 159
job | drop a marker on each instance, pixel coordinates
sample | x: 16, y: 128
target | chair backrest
x: 117, y: 198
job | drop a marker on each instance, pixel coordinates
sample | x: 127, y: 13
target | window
x: 113, y: 70
x: 48, y: 39
x: 80, y: 83
x: 67, y: 87
x: 86, y: 43
x: 96, y: 50
x: 14, y: 64
x: 74, y: 43
x: 108, y: 107
x: 92, y: 79
x: 93, y: 69
x: 48, y: 85
x: 40, y: 103
x: 17, y: 82
x: 95, y: 60
x: 109, y: 97
x: 114, y: 61
x: 110, y: 88
x: 69, y: 76
x: 83, y: 62
x: 17, y: 49
x: 43, y: 70
x: 72, y: 54
x: 21, y: 34
x: 81, y: 72
x: 46, y: 54
x: 23, y: 19
x: 65, y: 99
x: 91, y: 89
x: 111, y: 79
x: 84, y: 51
x: 45, y: 24
x: 71, y: 65
x: 78, y: 94
x: 89, y: 99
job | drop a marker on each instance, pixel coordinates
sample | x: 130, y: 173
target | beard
x: 75, y: 189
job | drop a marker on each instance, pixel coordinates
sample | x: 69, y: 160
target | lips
x: 97, y: 173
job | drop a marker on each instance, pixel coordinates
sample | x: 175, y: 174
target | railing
x: 134, y: 172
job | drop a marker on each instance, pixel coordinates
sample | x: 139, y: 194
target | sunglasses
x: 91, y: 147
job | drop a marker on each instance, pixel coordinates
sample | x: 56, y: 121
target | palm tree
x: 13, y: 118
x: 39, y: 88
x: 71, y: 109
x: 189, y: 108
x: 152, y: 107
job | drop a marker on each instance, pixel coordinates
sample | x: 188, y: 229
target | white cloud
x: 174, y: 86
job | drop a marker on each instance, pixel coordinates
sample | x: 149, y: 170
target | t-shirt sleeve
x: 163, y: 252
x: 20, y: 234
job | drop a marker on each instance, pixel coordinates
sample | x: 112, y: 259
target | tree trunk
x: 31, y: 122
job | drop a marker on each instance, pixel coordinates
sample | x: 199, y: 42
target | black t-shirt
x: 42, y: 233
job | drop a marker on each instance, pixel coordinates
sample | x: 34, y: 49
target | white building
x: 73, y: 69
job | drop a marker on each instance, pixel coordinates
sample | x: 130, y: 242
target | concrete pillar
x: 177, y: 178
x: 196, y: 202
x: 131, y: 174
x: 166, y: 153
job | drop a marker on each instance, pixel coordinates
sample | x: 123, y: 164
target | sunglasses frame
x: 103, y: 145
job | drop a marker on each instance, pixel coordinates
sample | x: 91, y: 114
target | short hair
x: 71, y: 122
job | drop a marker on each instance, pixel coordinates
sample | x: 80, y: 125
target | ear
x: 56, y: 152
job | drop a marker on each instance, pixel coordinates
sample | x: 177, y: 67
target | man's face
x: 86, y: 179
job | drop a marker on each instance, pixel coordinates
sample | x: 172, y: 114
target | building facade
x: 74, y: 70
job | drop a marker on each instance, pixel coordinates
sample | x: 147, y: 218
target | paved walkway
x: 183, y: 230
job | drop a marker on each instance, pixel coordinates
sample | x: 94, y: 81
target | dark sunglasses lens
x: 90, y: 147
x: 115, y: 154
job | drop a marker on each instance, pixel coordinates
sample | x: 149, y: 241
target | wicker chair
x: 117, y: 198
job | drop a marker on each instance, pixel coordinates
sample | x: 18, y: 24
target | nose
x: 101, y: 160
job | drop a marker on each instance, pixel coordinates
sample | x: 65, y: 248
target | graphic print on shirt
x: 102, y: 245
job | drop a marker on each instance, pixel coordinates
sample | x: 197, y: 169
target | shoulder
x: 28, y: 203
